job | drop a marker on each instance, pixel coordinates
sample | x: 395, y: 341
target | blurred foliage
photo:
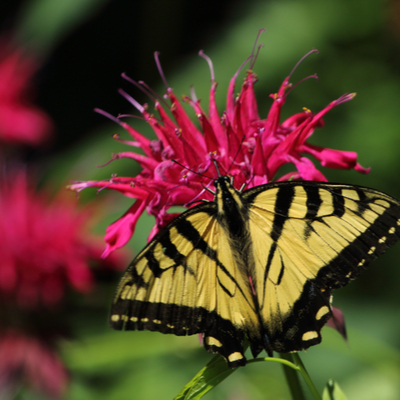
x: 44, y: 22
x: 359, y: 47
x: 333, y: 392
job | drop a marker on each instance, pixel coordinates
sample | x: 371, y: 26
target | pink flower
x: 21, y: 122
x: 31, y: 361
x: 44, y: 245
x: 178, y: 165
x: 45, y: 250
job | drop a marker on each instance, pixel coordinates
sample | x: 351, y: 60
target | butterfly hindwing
x: 187, y: 281
x: 317, y: 237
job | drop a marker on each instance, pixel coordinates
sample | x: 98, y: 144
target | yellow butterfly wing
x: 309, y: 238
x: 187, y: 281
x: 260, y: 264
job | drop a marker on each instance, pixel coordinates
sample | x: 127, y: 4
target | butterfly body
x: 261, y: 264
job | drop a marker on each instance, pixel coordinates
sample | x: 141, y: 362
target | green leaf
x: 206, y: 379
x: 332, y: 391
x: 111, y: 349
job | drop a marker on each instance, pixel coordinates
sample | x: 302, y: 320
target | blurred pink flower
x: 249, y: 148
x: 45, y: 250
x: 31, y: 361
x: 44, y: 245
x: 21, y: 122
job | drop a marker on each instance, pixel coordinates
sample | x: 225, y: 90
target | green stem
x: 292, y: 378
x: 290, y: 369
x: 291, y: 363
x: 306, y: 377
x: 278, y: 360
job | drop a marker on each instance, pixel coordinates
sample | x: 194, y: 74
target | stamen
x: 128, y: 142
x: 251, y: 177
x: 131, y: 100
x: 241, y: 67
x: 237, y: 153
x: 254, y: 56
x: 346, y: 97
x: 191, y: 170
x: 107, y: 186
x: 130, y: 116
x: 138, y: 85
x: 146, y: 89
x: 151, y: 117
x: 314, y: 76
x: 210, y: 64
x: 301, y: 60
x: 107, y: 115
x: 156, y: 54
x: 193, y: 94
x: 154, y: 93
x: 113, y: 158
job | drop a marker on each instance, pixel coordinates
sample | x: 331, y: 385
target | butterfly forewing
x: 322, y: 235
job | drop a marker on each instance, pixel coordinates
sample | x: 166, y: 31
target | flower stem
x: 292, y: 377
x: 292, y: 363
x: 295, y: 358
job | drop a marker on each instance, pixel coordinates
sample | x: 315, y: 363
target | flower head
x: 30, y: 360
x: 21, y: 122
x: 45, y: 250
x: 43, y: 245
x: 180, y: 164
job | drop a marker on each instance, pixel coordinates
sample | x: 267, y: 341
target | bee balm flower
x: 45, y: 251
x: 44, y: 246
x: 176, y: 167
x: 21, y: 122
x: 33, y: 361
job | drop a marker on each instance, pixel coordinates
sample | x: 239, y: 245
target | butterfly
x: 260, y: 264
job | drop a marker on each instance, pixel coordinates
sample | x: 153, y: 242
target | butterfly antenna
x: 204, y: 189
x: 248, y: 181
x: 194, y: 200
x: 191, y: 170
x: 208, y: 189
x: 217, y: 168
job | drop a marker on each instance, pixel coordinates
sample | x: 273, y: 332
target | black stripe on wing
x: 313, y: 202
x: 370, y: 244
x: 283, y: 202
x: 301, y: 329
x: 219, y: 335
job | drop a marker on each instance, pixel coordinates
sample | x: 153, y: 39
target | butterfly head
x: 228, y: 199
x: 223, y: 184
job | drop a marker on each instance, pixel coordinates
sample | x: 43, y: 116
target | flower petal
x: 120, y: 231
